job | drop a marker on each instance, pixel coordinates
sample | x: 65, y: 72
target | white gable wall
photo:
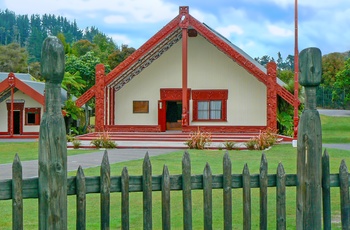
x: 208, y: 68
x: 165, y: 72
x: 28, y: 103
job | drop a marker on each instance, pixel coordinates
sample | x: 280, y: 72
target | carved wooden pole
x: 52, y: 141
x: 100, y: 98
x: 309, y: 164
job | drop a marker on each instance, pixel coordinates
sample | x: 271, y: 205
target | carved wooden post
x: 52, y: 141
x: 272, y: 95
x: 100, y: 98
x: 309, y: 163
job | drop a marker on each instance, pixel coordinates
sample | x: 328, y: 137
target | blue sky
x: 259, y: 27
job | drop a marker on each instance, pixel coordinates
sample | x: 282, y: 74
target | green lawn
x: 335, y: 129
x: 27, y: 151
x: 279, y: 153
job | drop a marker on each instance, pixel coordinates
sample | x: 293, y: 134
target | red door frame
x: 18, y: 107
x: 169, y: 94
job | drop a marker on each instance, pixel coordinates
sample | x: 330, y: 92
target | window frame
x: 208, y: 96
x: 36, y: 112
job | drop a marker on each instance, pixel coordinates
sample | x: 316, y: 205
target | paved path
x: 30, y: 168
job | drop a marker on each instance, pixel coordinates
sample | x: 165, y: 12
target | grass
x: 279, y: 153
x: 335, y: 129
x: 27, y: 151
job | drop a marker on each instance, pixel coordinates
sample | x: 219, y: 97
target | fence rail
x: 18, y: 189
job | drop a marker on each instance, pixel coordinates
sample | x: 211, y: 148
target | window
x: 209, y: 105
x: 32, y: 116
x: 209, y: 110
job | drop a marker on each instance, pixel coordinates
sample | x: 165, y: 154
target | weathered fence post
x: 309, y: 164
x: 52, y: 141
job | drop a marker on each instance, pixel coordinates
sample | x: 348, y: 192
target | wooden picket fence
x: 18, y: 189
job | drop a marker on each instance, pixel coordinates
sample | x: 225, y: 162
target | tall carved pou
x: 52, y: 141
x: 309, y: 165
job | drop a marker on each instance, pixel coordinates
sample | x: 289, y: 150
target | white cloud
x: 114, y: 19
x: 120, y: 39
x: 279, y: 31
x: 228, y: 30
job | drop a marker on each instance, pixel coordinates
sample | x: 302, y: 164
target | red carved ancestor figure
x: 100, y: 97
x: 271, y: 95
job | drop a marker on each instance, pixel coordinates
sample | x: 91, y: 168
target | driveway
x: 334, y: 112
x: 30, y: 168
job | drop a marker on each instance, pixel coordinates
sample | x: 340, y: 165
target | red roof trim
x: 29, y: 91
x: 5, y: 84
x: 144, y: 49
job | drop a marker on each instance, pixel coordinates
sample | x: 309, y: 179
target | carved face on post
x: 52, y: 61
x: 310, y: 65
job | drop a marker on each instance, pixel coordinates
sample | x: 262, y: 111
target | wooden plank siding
x: 18, y: 189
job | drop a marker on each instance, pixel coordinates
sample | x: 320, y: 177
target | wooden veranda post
x: 309, y: 163
x: 52, y: 141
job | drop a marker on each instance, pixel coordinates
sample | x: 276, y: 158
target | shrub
x: 70, y: 138
x: 263, y: 140
x: 104, y: 141
x: 76, y: 143
x: 199, y: 140
x: 229, y: 145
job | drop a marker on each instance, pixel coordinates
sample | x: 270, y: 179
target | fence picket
x: 344, y: 195
x: 17, y: 195
x: 166, y: 198
x: 125, y: 198
x: 81, y: 199
x: 186, y: 191
x: 105, y: 185
x: 207, y: 197
x: 281, y: 198
x: 326, y: 192
x: 227, y: 191
x: 147, y: 193
x: 263, y: 191
x: 246, y: 198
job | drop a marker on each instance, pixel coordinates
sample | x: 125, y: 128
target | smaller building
x: 22, y: 104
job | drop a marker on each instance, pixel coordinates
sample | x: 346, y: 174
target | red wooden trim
x: 271, y: 96
x: 184, y: 25
x: 210, y: 94
x: 173, y: 94
x: 10, y: 108
x: 107, y: 109
x: 100, y: 98
x: 29, y: 91
x: 83, y: 99
x: 225, y: 129
x: 4, y: 85
x: 37, y: 112
x: 133, y: 128
x: 144, y: 49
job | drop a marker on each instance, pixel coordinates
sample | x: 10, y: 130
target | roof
x: 164, y: 39
x: 27, y: 79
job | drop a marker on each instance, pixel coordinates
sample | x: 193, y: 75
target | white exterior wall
x: 28, y: 103
x: 165, y: 72
x: 208, y: 68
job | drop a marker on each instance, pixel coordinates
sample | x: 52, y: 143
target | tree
x: 13, y: 58
x: 342, y: 83
x: 119, y: 55
x: 331, y: 64
x: 82, y: 47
